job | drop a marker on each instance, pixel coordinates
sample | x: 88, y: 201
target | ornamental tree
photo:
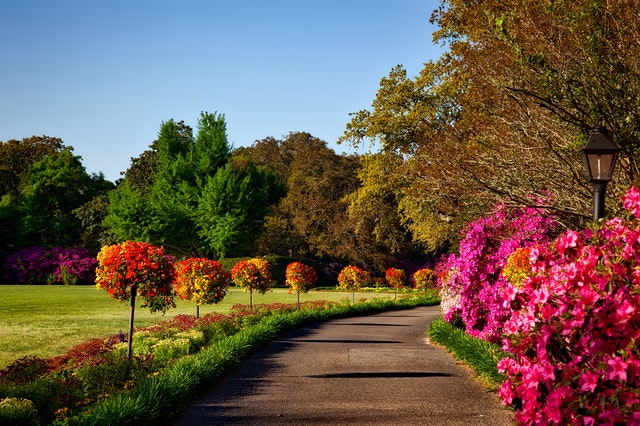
x: 396, y: 278
x: 135, y: 268
x: 353, y: 278
x: 300, y: 278
x: 574, y: 330
x: 252, y: 275
x: 202, y: 281
x: 424, y: 278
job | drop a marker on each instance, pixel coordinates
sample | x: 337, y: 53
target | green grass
x: 481, y: 356
x: 46, y: 321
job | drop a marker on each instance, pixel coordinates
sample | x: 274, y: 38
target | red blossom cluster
x: 300, y: 278
x: 252, y: 275
x: 575, y: 328
x: 396, y: 278
x: 353, y: 278
x: 424, y: 278
x: 141, y: 267
x: 200, y: 280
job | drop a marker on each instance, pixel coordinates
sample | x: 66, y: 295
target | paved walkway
x: 371, y: 370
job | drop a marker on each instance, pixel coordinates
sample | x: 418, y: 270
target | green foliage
x: 17, y: 156
x: 189, y: 197
x: 310, y: 221
x: 54, y: 187
x: 18, y: 412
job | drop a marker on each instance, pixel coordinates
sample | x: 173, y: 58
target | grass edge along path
x: 481, y: 356
x: 153, y: 398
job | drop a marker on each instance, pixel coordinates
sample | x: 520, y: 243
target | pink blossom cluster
x: 472, y: 287
x: 575, y: 328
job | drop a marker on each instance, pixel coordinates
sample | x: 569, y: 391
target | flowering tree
x: 472, y: 288
x: 300, y: 278
x: 135, y: 268
x: 424, y: 278
x: 201, y: 280
x: 252, y: 275
x: 575, y: 329
x: 353, y: 278
x: 396, y: 278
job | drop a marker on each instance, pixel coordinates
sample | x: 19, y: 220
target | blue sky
x: 103, y: 76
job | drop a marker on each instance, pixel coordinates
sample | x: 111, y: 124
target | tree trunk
x: 134, y: 290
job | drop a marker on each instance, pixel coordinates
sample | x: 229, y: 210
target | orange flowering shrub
x: 252, y: 275
x: 518, y: 266
x: 139, y: 267
x: 396, y: 278
x: 300, y: 278
x: 353, y: 278
x: 424, y: 278
x: 200, y: 280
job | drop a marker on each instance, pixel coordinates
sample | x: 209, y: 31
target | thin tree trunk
x: 134, y: 290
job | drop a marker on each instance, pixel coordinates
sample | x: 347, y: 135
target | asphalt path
x: 371, y: 370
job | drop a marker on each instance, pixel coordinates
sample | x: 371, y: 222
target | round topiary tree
x: 201, y: 280
x: 134, y: 268
x: 396, y: 278
x: 300, y: 278
x: 424, y: 278
x: 252, y: 275
x: 353, y: 278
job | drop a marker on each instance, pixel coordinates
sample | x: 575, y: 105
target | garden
x: 136, y: 375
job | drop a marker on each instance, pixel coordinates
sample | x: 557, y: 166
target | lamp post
x: 600, y: 154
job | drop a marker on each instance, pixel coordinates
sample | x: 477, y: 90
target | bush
x: 424, y: 278
x: 471, y: 283
x: 18, y: 412
x: 575, y: 328
x: 36, y: 265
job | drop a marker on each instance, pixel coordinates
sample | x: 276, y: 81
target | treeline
x: 500, y: 117
x: 192, y: 193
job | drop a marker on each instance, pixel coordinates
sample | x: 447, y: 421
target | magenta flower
x: 588, y: 381
x: 616, y: 369
x: 631, y: 201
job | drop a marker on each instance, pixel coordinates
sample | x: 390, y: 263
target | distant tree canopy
x: 314, y: 219
x: 187, y: 195
x: 505, y: 112
x: 43, y: 185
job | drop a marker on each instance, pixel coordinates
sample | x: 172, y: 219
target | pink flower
x: 588, y: 381
x: 616, y: 369
x: 566, y: 241
x: 631, y: 201
x: 624, y: 311
x: 508, y: 365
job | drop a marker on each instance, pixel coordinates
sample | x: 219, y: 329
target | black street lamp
x: 600, y: 155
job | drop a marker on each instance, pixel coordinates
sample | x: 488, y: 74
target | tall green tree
x: 311, y: 220
x: 234, y: 203
x: 188, y: 197
x: 55, y: 186
x: 17, y: 156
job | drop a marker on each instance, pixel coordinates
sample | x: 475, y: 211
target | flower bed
x: 569, y: 314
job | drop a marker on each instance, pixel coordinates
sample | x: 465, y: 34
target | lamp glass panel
x: 600, y: 165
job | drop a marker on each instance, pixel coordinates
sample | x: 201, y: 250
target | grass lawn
x: 46, y: 321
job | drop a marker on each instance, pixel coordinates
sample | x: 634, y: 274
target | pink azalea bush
x: 472, y: 287
x: 58, y: 265
x: 575, y: 328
